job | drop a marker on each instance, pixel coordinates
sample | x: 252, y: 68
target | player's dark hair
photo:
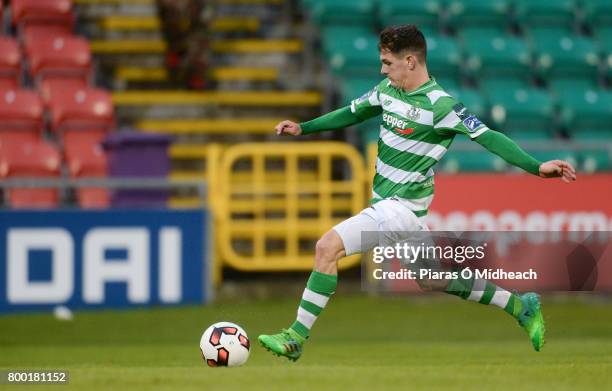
x: 404, y: 38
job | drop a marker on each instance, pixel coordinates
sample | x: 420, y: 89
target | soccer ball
x: 225, y: 344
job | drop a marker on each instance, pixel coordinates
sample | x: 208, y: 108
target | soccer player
x: 419, y: 122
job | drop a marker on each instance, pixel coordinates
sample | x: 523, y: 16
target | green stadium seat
x: 531, y: 13
x: 604, y: 41
x: 586, y: 112
x: 457, y: 160
x: 425, y: 14
x: 482, y: 13
x: 564, y: 55
x: 528, y: 109
x: 449, y: 85
x: 353, y: 88
x: 593, y: 160
x: 331, y: 33
x: 577, y: 84
x: 351, y: 53
x: 343, y: 12
x: 530, y: 136
x: 492, y: 85
x: 553, y: 154
x: 598, y: 135
x: 443, y: 57
x: 597, y: 13
x: 496, y: 55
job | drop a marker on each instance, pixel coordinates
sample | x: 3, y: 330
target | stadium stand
x: 539, y: 71
x: 21, y: 116
x: 10, y: 63
x: 32, y: 159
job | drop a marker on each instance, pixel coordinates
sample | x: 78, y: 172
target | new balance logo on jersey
x: 470, y: 121
x: 398, y: 125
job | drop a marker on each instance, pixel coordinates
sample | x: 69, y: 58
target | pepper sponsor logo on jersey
x: 397, y: 124
x: 470, y: 121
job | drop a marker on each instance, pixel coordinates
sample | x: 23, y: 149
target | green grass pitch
x: 359, y: 343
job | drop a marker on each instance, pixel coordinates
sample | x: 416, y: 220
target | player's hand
x: 288, y: 127
x: 558, y: 169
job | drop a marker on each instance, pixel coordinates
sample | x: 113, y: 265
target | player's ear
x: 411, y: 61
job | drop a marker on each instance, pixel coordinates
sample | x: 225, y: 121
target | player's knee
x: 329, y: 248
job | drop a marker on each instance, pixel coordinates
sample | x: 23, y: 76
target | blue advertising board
x: 100, y: 259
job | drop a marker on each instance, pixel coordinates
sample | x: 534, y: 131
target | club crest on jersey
x: 470, y: 121
x: 413, y: 113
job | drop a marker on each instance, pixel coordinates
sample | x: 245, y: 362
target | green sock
x: 486, y: 292
x: 318, y: 290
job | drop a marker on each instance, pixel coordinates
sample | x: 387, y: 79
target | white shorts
x: 384, y: 223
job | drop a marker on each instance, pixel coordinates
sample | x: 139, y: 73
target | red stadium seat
x: 81, y: 109
x: 64, y: 56
x: 25, y: 12
x: 86, y: 159
x: 48, y: 88
x: 16, y: 137
x: 34, y: 32
x: 21, y: 111
x: 10, y: 63
x: 38, y: 159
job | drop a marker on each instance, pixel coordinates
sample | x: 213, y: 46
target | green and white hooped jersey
x: 416, y: 131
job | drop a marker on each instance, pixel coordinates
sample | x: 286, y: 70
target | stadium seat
x: 345, y: 33
x: 562, y: 84
x: 490, y: 86
x: 481, y: 13
x: 586, y: 112
x: 496, y: 55
x: 26, y: 12
x: 559, y: 55
x: 561, y: 13
x: 353, y: 88
x: 522, y: 110
x: 443, y: 57
x: 50, y: 87
x: 597, y: 13
x: 86, y: 159
x: 21, y: 115
x: 425, y: 14
x: 35, y: 32
x: 456, y: 160
x: 554, y: 154
x: 59, y: 57
x: 604, y: 41
x: 593, y: 160
x: 343, y: 12
x: 353, y: 55
x: 38, y: 159
x: 449, y: 85
x: 10, y: 63
x: 81, y: 109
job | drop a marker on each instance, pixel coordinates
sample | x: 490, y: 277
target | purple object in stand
x: 135, y: 154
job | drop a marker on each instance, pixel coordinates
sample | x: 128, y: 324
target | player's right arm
x: 361, y: 109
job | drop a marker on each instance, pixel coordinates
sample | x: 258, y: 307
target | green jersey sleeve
x: 452, y: 117
x: 368, y: 104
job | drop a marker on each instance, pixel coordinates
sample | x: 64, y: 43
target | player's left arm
x: 453, y: 117
x: 508, y: 150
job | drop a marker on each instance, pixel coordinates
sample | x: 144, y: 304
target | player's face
x: 396, y: 68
